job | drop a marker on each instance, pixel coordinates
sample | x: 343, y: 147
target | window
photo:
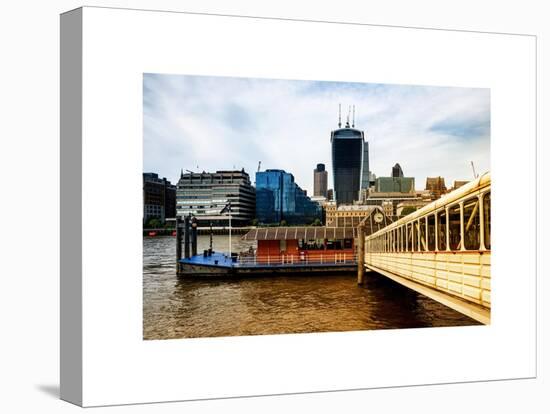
x: 408, y: 238
x: 431, y: 232
x: 487, y: 220
x: 412, y: 237
x: 471, y: 224
x: 400, y: 230
x: 454, y: 227
x: 422, y: 224
x: 441, y: 231
x: 334, y: 244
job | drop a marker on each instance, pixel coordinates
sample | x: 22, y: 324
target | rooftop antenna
x: 347, y: 121
x: 353, y: 122
x: 339, y: 115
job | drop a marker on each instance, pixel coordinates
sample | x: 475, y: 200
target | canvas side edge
x: 71, y: 355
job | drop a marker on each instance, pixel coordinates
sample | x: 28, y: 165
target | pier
x: 279, y: 250
x: 442, y: 251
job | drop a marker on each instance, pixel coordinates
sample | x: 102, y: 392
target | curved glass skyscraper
x: 350, y: 163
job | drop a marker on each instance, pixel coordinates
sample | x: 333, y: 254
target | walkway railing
x: 298, y: 260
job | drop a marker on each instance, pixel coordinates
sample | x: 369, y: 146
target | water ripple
x: 181, y: 308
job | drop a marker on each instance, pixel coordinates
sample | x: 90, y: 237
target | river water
x: 182, y: 308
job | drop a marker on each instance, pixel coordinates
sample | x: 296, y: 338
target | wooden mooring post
x: 194, y: 236
x: 178, y: 243
x: 187, y: 237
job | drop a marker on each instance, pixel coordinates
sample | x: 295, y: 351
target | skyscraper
x: 396, y: 171
x: 279, y: 198
x: 350, y: 162
x: 320, y: 181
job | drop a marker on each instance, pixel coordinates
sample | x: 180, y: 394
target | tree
x: 254, y: 222
x: 407, y: 210
x: 283, y: 223
x: 154, y: 223
x: 316, y: 222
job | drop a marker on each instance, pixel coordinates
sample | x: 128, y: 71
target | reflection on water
x: 183, y: 308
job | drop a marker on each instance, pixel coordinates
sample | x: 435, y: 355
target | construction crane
x: 259, y: 165
x: 474, y: 170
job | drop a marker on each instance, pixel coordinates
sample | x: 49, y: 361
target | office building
x: 396, y: 171
x: 389, y: 192
x: 350, y: 162
x: 205, y: 194
x: 459, y: 183
x: 279, y: 198
x: 320, y: 181
x: 401, y: 185
x: 159, y: 198
x: 436, y: 185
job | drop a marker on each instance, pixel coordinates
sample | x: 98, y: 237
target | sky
x: 206, y: 123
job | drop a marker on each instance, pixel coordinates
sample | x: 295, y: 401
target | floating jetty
x: 281, y: 250
x: 221, y: 265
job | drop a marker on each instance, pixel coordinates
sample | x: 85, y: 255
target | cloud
x: 214, y: 123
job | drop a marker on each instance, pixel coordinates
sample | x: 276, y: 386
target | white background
x: 29, y: 295
x: 117, y: 51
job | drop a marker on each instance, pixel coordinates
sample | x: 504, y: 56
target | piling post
x: 210, y: 249
x: 194, y: 231
x: 360, y: 254
x: 186, y: 235
x: 178, y: 242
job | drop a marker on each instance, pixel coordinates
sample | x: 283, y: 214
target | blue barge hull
x: 219, y: 265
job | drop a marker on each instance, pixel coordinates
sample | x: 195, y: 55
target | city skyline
x: 219, y: 123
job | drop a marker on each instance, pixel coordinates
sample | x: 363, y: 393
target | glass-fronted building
x: 204, y: 195
x: 279, y: 198
x: 350, y: 164
x: 394, y: 185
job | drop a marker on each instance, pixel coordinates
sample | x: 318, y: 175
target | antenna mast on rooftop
x: 339, y: 115
x: 353, y: 121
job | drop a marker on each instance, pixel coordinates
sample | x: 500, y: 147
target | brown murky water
x: 180, y: 308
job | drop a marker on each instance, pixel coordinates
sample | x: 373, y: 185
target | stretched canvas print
x: 257, y: 190
x: 251, y: 207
